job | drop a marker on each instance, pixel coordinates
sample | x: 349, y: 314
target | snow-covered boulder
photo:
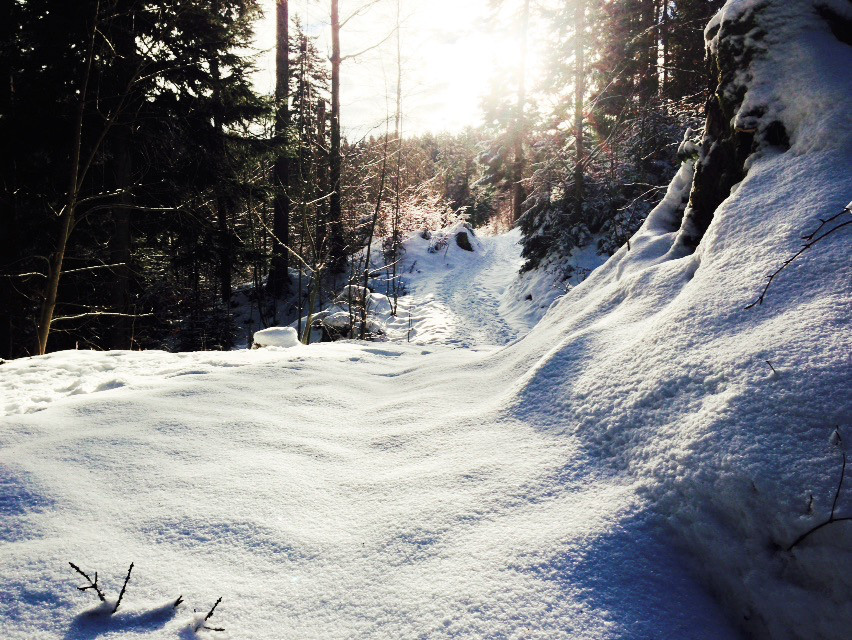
x: 276, y: 337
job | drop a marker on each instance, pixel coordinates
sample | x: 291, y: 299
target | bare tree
x: 518, y: 192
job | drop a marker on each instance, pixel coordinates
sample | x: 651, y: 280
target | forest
x: 146, y: 179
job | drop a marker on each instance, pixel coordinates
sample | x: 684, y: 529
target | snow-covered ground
x: 332, y: 491
x: 637, y: 466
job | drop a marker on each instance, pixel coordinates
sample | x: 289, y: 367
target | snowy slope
x: 632, y: 468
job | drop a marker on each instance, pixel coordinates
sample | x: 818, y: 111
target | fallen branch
x: 831, y: 518
x: 810, y: 240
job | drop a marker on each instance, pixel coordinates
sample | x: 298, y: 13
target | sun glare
x: 453, y: 53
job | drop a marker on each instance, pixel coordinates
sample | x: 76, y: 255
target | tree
x: 279, y: 273
x: 518, y: 195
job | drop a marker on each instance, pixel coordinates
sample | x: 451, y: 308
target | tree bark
x: 8, y: 218
x: 397, y: 210
x: 67, y: 216
x: 124, y: 40
x: 335, y: 230
x: 223, y: 205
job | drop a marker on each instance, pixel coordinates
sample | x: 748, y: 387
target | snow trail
x: 586, y: 481
x: 455, y: 295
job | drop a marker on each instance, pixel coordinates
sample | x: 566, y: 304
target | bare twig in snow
x: 832, y: 518
x: 202, y: 625
x: 123, y: 588
x: 93, y: 584
x: 810, y: 240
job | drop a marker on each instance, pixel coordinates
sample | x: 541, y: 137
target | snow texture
x: 636, y: 466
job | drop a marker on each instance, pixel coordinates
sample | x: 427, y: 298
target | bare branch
x: 123, y: 588
x: 93, y: 584
x: 209, y: 615
x: 812, y: 239
x: 110, y: 314
x: 359, y: 11
x: 370, y: 48
x: 831, y: 518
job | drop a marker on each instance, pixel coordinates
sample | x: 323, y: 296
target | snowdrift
x: 722, y: 414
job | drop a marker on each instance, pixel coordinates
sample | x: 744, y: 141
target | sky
x: 451, y: 51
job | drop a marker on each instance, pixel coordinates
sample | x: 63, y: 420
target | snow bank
x: 723, y: 414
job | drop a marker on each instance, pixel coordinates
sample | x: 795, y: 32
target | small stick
x: 810, y: 240
x: 831, y: 518
x: 209, y: 615
x: 123, y: 587
x: 177, y: 602
x: 92, y: 584
x: 771, y: 367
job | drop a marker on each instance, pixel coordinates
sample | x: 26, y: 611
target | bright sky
x: 450, y: 51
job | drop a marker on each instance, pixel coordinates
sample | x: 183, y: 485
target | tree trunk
x: 335, y: 230
x: 124, y: 41
x: 223, y: 205
x: 279, y: 272
x: 664, y: 37
x: 8, y: 220
x: 648, y: 80
x: 518, y: 192
x: 397, y: 210
x: 579, y: 94
x: 67, y: 217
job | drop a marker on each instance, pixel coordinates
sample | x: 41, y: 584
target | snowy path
x: 455, y: 295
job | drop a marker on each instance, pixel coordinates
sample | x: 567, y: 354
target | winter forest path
x: 455, y: 295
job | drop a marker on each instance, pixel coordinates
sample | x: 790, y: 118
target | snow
x: 632, y: 467
x: 285, y: 337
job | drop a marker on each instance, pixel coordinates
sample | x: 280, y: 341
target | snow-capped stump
x: 276, y: 337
